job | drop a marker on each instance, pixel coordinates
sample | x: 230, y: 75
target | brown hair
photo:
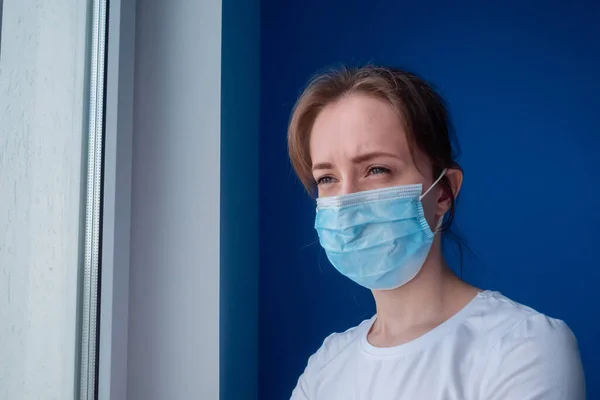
x: 428, y: 125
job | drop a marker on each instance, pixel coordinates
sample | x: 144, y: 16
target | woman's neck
x: 415, y: 308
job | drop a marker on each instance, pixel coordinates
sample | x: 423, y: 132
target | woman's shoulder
x: 502, y: 318
x: 528, y: 350
x: 339, y: 342
x: 334, y: 346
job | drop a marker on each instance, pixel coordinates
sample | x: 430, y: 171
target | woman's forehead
x: 356, y: 125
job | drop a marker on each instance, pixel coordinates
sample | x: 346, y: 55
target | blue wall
x: 522, y: 80
x: 240, y: 85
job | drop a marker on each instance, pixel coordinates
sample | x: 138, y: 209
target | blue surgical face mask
x: 378, y: 238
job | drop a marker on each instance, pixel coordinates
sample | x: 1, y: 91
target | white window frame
x: 114, y: 295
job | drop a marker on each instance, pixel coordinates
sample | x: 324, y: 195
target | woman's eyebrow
x: 369, y: 156
x: 356, y: 160
x: 324, y: 165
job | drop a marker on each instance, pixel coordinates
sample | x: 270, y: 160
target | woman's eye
x: 378, y: 170
x: 324, y: 180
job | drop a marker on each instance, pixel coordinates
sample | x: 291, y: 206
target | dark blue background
x: 522, y: 81
x: 240, y: 85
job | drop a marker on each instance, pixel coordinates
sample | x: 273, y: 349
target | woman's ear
x: 454, y: 177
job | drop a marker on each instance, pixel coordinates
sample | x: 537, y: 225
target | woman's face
x: 359, y: 143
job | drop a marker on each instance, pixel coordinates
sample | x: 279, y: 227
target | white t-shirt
x: 493, y: 349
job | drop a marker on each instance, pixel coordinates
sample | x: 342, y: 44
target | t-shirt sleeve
x: 305, y: 387
x: 538, y: 360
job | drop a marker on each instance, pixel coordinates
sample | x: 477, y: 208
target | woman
x: 374, y: 143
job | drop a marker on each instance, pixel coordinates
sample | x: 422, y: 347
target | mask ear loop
x: 433, y: 184
x: 441, y: 220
